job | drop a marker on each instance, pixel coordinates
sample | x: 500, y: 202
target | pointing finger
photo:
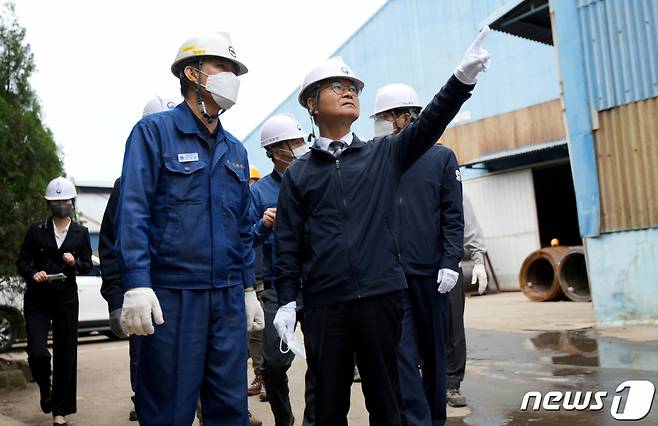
x: 480, y: 38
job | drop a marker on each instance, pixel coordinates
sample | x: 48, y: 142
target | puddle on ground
x: 585, y: 348
x: 503, y: 366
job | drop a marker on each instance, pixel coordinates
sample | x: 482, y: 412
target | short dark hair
x: 312, y: 91
x: 269, y: 148
x: 185, y: 84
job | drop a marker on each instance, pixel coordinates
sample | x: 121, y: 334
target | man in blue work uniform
x: 282, y: 138
x: 185, y: 249
x: 336, y: 229
x: 431, y: 232
x: 111, y: 289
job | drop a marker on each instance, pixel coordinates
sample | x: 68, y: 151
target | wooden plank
x: 528, y: 126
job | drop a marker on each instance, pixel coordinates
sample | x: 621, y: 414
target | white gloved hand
x: 480, y: 276
x: 255, y: 316
x: 447, y: 279
x: 476, y: 60
x: 285, y: 319
x: 138, y: 305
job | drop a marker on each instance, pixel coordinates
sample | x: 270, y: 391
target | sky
x: 98, y: 63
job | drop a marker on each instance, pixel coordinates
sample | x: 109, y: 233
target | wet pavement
x: 503, y: 366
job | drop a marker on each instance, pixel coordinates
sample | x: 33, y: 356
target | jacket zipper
x: 348, y: 230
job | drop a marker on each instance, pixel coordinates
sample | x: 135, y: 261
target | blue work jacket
x: 183, y: 215
x: 265, y: 193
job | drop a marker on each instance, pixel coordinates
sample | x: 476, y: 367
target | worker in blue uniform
x: 185, y: 247
x: 431, y: 233
x: 336, y: 230
x: 283, y: 140
x: 111, y: 288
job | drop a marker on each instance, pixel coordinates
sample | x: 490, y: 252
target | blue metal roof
x: 419, y: 42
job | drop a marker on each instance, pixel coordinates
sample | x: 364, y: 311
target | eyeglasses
x: 340, y: 88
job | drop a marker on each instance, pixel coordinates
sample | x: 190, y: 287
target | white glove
x: 476, y: 60
x: 480, y: 276
x: 138, y: 305
x: 285, y: 319
x: 447, y: 279
x: 255, y: 316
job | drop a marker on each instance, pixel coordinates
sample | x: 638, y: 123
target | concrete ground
x: 515, y: 346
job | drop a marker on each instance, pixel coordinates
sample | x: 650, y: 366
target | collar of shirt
x: 323, y: 143
x: 61, y: 236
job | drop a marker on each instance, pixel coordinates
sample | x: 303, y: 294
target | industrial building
x: 560, y: 139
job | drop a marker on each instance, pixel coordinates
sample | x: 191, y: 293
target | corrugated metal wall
x: 627, y: 157
x: 620, y: 40
x: 509, y: 237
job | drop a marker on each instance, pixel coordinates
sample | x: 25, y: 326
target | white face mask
x: 383, y: 127
x: 297, y: 152
x: 223, y: 88
x: 294, y: 345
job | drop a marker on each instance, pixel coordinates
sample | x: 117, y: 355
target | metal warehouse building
x: 560, y: 139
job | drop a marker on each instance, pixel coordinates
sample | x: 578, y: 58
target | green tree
x: 29, y: 155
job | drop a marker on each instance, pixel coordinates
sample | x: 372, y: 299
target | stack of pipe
x: 553, y: 273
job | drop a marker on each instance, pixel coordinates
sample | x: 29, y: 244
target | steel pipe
x: 572, y: 274
x: 538, y: 277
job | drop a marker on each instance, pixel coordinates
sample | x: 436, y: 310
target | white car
x: 93, y: 314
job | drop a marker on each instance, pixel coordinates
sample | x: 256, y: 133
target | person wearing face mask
x: 283, y: 140
x: 335, y: 229
x: 53, y: 252
x: 431, y: 233
x: 111, y: 288
x: 185, y: 247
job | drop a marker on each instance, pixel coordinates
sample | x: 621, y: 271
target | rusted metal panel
x: 534, y: 124
x: 627, y: 157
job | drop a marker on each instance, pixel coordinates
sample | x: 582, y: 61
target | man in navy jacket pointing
x: 336, y: 231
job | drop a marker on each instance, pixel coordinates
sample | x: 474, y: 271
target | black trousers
x: 456, y: 343
x: 276, y: 364
x: 430, y: 311
x: 370, y: 329
x: 58, y: 309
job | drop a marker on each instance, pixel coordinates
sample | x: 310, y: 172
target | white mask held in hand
x: 223, y: 88
x: 294, y: 345
x: 383, y: 127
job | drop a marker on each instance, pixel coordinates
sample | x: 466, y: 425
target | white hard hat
x: 329, y: 68
x: 215, y: 44
x: 281, y: 127
x: 158, y: 104
x: 60, y: 188
x: 393, y: 96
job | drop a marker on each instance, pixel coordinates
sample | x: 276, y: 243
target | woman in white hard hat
x: 54, y: 251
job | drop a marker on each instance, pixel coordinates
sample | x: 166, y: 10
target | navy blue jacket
x: 431, y: 229
x: 111, y: 289
x: 265, y: 193
x: 183, y: 217
x: 335, y: 225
